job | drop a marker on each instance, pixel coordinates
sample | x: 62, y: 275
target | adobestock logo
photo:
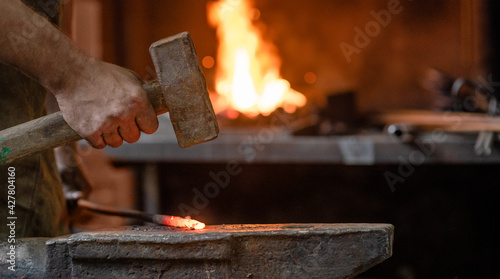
x: 248, y: 148
x: 211, y: 190
x: 362, y: 38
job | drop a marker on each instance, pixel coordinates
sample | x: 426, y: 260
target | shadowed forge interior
x: 444, y: 207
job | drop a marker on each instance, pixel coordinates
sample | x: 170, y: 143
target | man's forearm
x: 103, y: 103
x: 34, y: 46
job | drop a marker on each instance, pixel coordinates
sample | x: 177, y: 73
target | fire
x: 247, y: 77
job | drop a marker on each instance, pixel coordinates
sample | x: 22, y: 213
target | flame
x: 247, y: 77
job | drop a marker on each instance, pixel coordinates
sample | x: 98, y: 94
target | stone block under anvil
x: 230, y: 251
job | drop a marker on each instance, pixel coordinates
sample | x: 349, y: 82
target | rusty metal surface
x: 184, y: 89
x: 230, y: 251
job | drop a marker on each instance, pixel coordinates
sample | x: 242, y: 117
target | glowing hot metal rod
x: 167, y: 220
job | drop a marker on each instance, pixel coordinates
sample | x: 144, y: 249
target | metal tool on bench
x: 405, y: 124
x: 461, y: 94
x: 180, y: 89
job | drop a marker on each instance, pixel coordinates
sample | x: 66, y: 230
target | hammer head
x: 184, y: 89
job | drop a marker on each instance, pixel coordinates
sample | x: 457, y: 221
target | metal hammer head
x: 184, y: 90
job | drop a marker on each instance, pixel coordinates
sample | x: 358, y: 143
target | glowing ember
x: 247, y: 77
x: 175, y: 221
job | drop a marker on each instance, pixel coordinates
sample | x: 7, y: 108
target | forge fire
x: 248, y: 76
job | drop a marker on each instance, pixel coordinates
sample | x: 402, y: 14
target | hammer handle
x: 52, y: 131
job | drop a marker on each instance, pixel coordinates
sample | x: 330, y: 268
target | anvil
x: 224, y: 251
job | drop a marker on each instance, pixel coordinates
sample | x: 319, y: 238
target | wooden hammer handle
x: 52, y: 131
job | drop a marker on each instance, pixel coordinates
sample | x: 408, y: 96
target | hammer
x: 180, y: 89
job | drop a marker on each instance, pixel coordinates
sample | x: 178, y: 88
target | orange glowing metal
x: 247, y: 77
x: 180, y: 222
x: 167, y: 220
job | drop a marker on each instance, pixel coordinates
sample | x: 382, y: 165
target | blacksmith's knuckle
x: 116, y: 144
x: 134, y: 138
x: 98, y: 145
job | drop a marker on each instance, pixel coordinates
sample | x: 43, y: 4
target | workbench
x: 277, y: 145
x: 268, y: 145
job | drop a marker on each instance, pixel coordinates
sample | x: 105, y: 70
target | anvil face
x: 227, y: 251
